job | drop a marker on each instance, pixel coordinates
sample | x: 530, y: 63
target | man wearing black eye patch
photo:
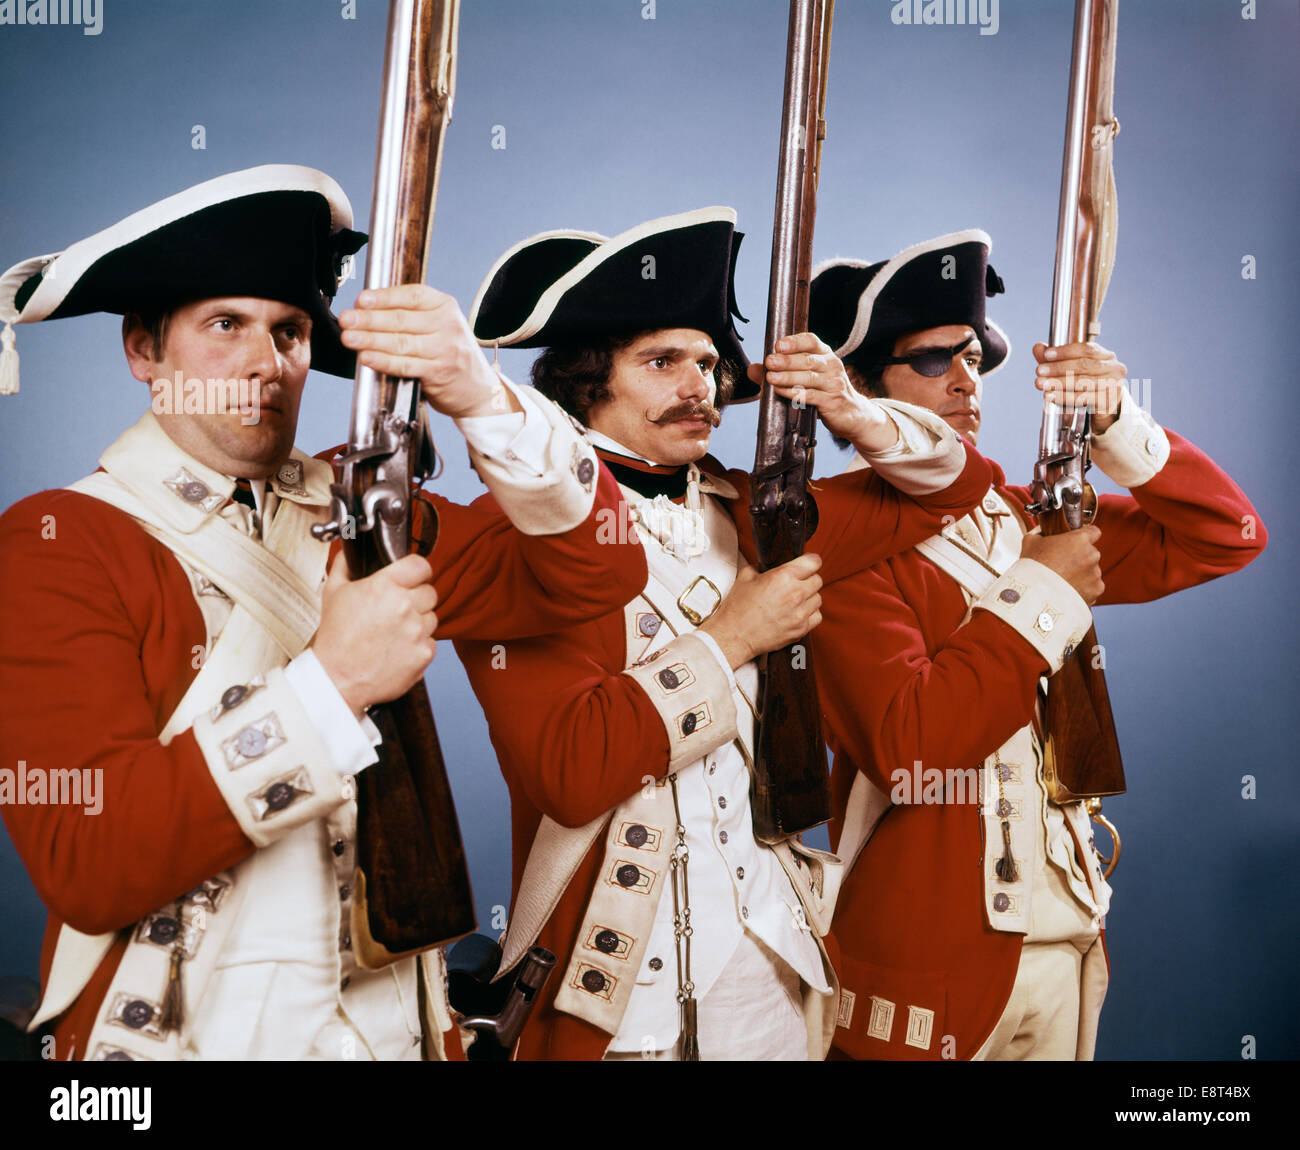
x: 970, y: 923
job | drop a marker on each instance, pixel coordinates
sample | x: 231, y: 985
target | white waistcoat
x: 735, y: 882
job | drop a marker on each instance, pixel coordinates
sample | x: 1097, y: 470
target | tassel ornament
x: 1007, y: 869
x: 689, y: 1044
x: 174, y: 998
x: 8, y: 361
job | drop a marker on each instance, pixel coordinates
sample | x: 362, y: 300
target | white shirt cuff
x: 544, y: 478
x: 351, y: 742
x: 515, y: 439
x: 906, y: 444
x: 716, y: 652
x: 928, y: 456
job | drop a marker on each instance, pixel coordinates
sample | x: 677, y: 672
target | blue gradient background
x: 611, y: 119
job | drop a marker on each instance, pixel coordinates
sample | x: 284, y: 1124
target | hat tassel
x: 8, y: 361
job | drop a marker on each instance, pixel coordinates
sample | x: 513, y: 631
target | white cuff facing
x: 1134, y: 448
x: 268, y: 758
x: 686, y: 685
x: 1042, y: 607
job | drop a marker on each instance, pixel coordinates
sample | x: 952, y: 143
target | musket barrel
x: 381, y: 257
x: 1067, y: 325
x: 386, y: 205
x: 1072, y: 277
x: 785, y: 293
x: 416, y: 101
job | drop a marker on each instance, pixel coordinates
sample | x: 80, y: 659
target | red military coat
x: 903, y: 684
x: 575, y: 737
x: 100, y: 635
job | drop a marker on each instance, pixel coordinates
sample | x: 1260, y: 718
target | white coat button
x: 250, y: 742
x: 1046, y: 622
x: 722, y: 837
x: 1153, y: 446
x: 722, y: 802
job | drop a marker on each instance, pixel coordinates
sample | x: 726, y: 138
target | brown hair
x: 577, y: 376
x: 154, y: 321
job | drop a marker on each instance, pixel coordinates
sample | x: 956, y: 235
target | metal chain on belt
x: 688, y: 1046
x: 1007, y: 870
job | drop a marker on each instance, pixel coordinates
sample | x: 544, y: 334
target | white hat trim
x: 609, y: 247
x: 509, y: 254
x: 74, y: 261
x: 862, y: 323
x: 1006, y: 339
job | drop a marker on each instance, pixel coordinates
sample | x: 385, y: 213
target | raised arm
x: 906, y: 667
x: 544, y: 551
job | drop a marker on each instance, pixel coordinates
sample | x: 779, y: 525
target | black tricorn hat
x: 568, y: 287
x: 861, y: 309
x: 279, y: 231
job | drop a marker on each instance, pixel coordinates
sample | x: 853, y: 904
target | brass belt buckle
x: 695, y: 617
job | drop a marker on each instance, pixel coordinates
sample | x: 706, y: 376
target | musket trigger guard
x: 1093, y: 807
x: 1089, y: 503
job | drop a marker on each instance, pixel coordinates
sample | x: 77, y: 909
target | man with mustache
x: 626, y: 742
x: 168, y: 622
x: 970, y: 925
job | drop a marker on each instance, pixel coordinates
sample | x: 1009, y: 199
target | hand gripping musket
x: 411, y: 887
x: 791, y: 790
x: 1081, y: 749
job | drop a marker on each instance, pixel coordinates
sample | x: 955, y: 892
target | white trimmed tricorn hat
x: 860, y: 309
x: 566, y: 288
x: 279, y: 231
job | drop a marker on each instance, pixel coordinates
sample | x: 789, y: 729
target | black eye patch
x: 932, y: 362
